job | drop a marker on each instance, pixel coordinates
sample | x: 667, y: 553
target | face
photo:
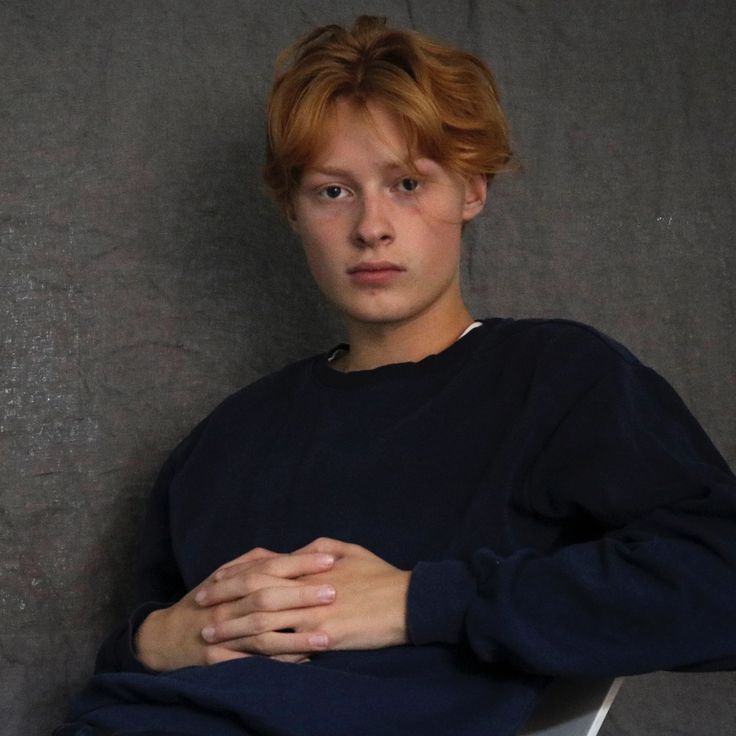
x: 382, y: 238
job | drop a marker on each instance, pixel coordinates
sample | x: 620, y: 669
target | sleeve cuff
x: 118, y: 653
x: 440, y: 594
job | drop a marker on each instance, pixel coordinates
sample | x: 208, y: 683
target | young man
x: 410, y: 533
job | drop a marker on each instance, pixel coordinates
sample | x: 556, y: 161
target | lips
x: 373, y: 266
x: 375, y: 273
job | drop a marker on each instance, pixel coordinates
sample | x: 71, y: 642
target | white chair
x: 572, y: 707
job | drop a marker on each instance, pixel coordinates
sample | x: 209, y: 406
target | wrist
x: 404, y: 582
x: 148, y: 638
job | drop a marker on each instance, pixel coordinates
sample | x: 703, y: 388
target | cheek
x: 320, y: 265
x: 441, y: 214
x: 445, y: 238
x: 446, y: 261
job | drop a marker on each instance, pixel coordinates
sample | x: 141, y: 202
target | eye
x: 408, y: 185
x: 333, y: 191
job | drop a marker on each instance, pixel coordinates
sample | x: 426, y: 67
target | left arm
x: 655, y: 588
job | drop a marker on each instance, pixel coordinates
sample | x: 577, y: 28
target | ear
x: 476, y: 189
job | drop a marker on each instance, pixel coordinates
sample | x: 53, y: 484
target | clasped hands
x: 327, y: 595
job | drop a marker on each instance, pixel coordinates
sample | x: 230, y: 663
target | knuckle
x: 273, y: 565
x: 248, y: 585
x: 258, y: 622
x: 245, y: 584
x: 257, y: 645
x: 219, y: 614
x: 261, y: 599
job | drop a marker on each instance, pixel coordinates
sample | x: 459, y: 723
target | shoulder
x: 267, y: 393
x: 555, y: 351
x: 250, y: 415
x: 576, y: 373
x: 546, y: 338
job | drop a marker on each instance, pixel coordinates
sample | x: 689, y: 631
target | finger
x: 213, y: 593
x: 321, y: 544
x: 276, y: 643
x: 327, y: 545
x: 253, y: 624
x: 287, y: 598
x: 251, y: 576
x: 291, y: 658
x: 216, y: 655
x: 296, y: 565
x: 257, y: 553
x: 280, y: 566
x: 280, y: 595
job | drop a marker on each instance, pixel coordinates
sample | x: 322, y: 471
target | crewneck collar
x: 436, y: 362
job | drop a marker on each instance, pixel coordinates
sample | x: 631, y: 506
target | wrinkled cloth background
x: 144, y: 275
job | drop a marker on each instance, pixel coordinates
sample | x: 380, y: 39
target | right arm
x: 165, y: 630
x: 170, y: 638
x: 159, y: 581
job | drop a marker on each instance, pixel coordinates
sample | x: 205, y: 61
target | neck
x: 375, y: 344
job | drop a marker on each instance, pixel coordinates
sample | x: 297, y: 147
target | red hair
x: 445, y: 100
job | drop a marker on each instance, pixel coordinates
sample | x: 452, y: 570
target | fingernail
x: 325, y: 560
x: 208, y: 633
x: 326, y: 594
x: 319, y: 641
x: 200, y: 597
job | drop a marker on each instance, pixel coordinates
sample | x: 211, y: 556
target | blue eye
x: 333, y: 191
x: 407, y: 184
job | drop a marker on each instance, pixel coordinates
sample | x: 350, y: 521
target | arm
x: 173, y: 637
x: 652, y: 587
x: 164, y: 632
x: 655, y: 590
x: 159, y: 582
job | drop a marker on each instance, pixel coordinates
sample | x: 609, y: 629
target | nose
x: 373, y: 225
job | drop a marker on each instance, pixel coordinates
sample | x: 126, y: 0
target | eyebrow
x: 385, y: 166
x: 329, y: 170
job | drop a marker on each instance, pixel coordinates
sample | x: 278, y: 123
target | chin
x: 388, y: 308
x: 383, y: 316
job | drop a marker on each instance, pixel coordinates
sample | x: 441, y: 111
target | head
x: 443, y: 100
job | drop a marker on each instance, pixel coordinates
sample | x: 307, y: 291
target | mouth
x: 374, y: 267
x: 374, y: 273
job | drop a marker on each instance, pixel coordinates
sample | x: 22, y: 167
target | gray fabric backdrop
x: 145, y: 276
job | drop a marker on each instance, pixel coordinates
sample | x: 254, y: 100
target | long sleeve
x: 560, y: 509
x: 159, y: 581
x: 654, y: 584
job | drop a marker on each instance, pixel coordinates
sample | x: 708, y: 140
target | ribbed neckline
x: 455, y: 353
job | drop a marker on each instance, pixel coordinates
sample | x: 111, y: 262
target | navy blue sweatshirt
x: 561, y: 510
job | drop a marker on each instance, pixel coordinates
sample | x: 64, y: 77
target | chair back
x: 572, y: 707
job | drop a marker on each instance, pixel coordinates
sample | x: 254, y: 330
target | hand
x: 369, y: 609
x: 171, y: 638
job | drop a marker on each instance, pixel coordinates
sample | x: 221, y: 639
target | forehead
x: 361, y: 132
